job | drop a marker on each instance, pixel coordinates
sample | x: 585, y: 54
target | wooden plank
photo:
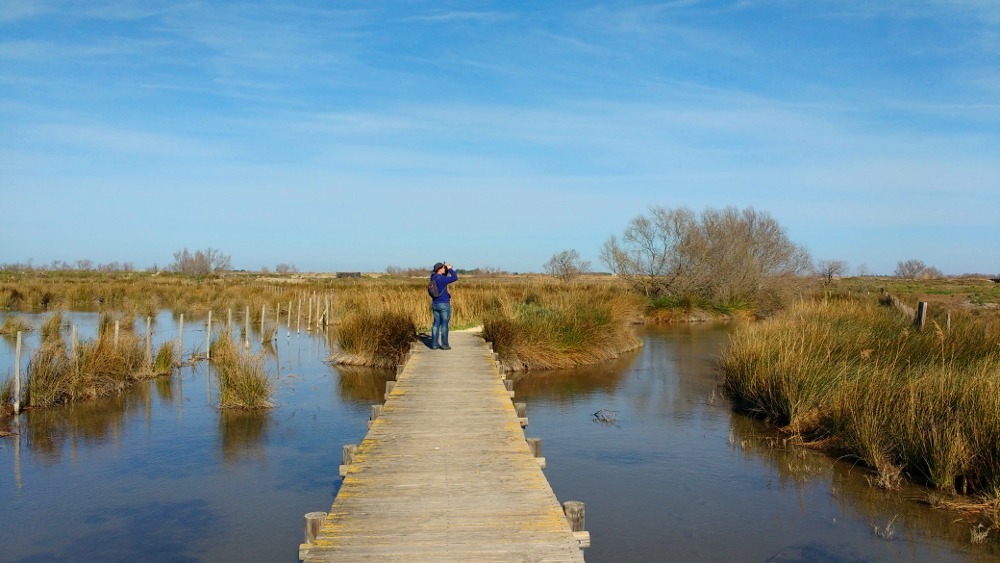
x: 445, y: 473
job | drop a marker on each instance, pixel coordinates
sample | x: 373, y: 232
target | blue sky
x: 357, y: 135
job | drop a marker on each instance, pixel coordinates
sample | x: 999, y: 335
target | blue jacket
x: 442, y: 282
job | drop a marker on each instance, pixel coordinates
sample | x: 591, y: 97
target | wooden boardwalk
x: 445, y: 473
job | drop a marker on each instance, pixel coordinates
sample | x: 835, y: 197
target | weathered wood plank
x: 445, y: 473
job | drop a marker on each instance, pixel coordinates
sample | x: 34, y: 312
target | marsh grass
x: 7, y: 397
x: 856, y: 377
x: 242, y: 378
x: 13, y: 325
x: 561, y: 330
x: 165, y: 359
x: 52, y: 328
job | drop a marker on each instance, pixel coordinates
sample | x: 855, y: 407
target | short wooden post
x: 348, y: 458
x: 575, y: 512
x: 117, y: 329
x: 535, y: 444
x: 229, y: 320
x: 509, y: 384
x: 309, y: 319
x: 288, y: 333
x: 399, y: 369
x: 74, y: 341
x: 376, y: 412
x: 947, y: 322
x: 389, y: 385
x: 17, y: 374
x: 921, y: 315
x: 263, y: 313
x: 298, y: 318
x: 149, y: 342
x: 522, y: 414
x: 314, y: 521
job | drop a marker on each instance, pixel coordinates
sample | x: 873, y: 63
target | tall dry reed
x: 920, y: 404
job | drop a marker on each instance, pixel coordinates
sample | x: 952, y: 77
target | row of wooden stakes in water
x: 574, y: 510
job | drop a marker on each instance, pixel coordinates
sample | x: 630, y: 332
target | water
x: 161, y: 473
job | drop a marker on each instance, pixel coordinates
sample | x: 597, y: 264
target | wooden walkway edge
x: 445, y: 474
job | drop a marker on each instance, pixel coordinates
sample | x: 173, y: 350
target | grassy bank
x: 856, y: 377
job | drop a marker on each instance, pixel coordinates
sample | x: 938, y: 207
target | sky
x: 352, y: 136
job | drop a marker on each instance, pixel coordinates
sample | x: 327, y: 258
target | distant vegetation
x: 728, y: 257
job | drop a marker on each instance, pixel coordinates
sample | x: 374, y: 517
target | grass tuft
x: 243, y: 380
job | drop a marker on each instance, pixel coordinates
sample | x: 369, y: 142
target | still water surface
x: 162, y: 474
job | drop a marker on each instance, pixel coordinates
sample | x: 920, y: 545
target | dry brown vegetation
x: 858, y: 378
x: 243, y: 380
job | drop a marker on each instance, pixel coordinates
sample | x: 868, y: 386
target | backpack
x: 432, y: 289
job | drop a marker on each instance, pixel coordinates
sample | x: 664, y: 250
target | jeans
x: 442, y: 316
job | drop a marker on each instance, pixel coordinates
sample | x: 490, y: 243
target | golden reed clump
x: 859, y: 378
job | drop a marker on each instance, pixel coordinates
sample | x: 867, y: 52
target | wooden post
x: 246, y: 330
x: 180, y: 338
x: 314, y: 521
x: 263, y: 313
x: 149, y: 342
x: 288, y: 333
x: 376, y: 412
x: 921, y: 315
x: 389, y: 385
x: 17, y: 374
x: 535, y: 444
x: 947, y: 322
x: 298, y: 319
x: 348, y: 458
x: 74, y: 342
x: 229, y: 320
x: 576, y: 513
x: 117, y: 328
x: 309, y: 319
x: 208, y: 337
x: 522, y: 414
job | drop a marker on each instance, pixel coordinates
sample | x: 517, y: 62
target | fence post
x: 149, y: 342
x: 921, y: 315
x: 298, y: 318
x: 208, y: 337
x: 180, y: 339
x: 17, y: 374
x: 246, y: 330
x: 309, y: 319
x: 288, y: 333
x: 263, y: 313
x: 117, y: 327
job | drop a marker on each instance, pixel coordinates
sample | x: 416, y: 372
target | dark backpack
x: 432, y: 289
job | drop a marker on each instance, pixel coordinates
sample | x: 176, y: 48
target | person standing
x: 442, y: 275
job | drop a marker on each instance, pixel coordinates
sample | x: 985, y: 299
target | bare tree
x: 201, y: 262
x: 566, y: 265
x: 726, y: 254
x: 863, y: 270
x: 830, y: 269
x: 910, y: 269
x: 284, y: 268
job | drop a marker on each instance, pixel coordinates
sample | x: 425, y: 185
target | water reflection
x: 363, y: 385
x: 243, y: 434
x: 48, y: 431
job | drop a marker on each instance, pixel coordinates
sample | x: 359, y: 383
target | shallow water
x: 161, y: 473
